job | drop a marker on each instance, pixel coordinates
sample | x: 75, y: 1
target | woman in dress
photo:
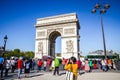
x: 87, y: 68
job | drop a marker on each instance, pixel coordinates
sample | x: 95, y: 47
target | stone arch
x: 49, y: 28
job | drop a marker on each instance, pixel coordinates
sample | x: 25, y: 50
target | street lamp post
x: 5, y: 40
x: 102, y: 11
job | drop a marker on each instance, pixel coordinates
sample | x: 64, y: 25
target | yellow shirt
x: 72, y: 67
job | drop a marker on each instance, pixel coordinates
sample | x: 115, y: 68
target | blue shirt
x: 1, y: 60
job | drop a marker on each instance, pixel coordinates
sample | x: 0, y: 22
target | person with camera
x: 71, y: 68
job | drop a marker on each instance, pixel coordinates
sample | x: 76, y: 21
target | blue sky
x: 18, y: 17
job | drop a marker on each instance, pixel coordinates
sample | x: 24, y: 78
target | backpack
x: 7, y: 64
x: 27, y: 65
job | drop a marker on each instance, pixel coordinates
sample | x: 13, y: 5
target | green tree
x: 117, y: 55
x: 29, y: 54
x: 8, y: 53
x: 22, y: 54
x: 17, y: 52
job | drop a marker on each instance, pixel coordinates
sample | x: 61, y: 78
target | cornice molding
x: 69, y: 37
x: 56, y: 23
x: 42, y: 39
x: 57, y: 20
x: 58, y: 16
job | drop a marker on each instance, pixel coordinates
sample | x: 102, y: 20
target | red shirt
x: 40, y: 63
x: 63, y: 61
x: 19, y: 64
x: 78, y: 63
x: 49, y: 62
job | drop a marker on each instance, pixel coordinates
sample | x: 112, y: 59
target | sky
x: 18, y: 17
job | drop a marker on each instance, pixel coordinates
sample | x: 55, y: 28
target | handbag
x: 69, y: 74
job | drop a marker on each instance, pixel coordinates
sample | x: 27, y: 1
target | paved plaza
x: 85, y: 76
x: 95, y: 75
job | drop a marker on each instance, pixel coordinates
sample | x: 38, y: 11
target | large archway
x: 52, y: 42
x: 49, y: 28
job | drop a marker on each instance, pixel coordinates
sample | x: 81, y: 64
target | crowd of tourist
x: 71, y: 65
x: 103, y: 64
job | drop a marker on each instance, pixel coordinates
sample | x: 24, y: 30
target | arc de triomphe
x: 49, y: 28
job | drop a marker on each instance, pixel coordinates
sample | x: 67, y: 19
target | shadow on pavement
x: 62, y: 73
x: 36, y: 75
x: 82, y: 73
x: 9, y: 76
x: 12, y: 77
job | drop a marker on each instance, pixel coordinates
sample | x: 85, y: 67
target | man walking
x: 20, y: 64
x: 56, y: 64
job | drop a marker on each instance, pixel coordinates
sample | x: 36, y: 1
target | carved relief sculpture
x: 69, y: 31
x: 69, y: 45
x: 40, y: 46
x: 41, y: 33
x: 49, y: 31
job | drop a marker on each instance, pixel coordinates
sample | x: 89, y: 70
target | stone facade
x: 49, y: 28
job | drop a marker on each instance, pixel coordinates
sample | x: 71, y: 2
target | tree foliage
x: 18, y: 53
x: 29, y: 54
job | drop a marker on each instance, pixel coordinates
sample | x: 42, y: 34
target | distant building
x: 100, y: 54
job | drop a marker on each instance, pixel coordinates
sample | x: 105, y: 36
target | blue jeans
x: 19, y: 72
x: 104, y: 68
x: 63, y: 65
x: 79, y: 71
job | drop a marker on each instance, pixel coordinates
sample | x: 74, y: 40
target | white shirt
x: 7, y: 64
x: 53, y: 64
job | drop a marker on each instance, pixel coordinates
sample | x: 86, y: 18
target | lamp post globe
x: 93, y: 11
x: 107, y: 6
x: 97, y: 6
